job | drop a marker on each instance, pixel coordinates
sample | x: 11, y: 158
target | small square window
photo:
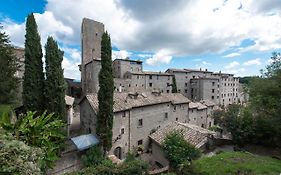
x: 140, y: 122
x: 166, y: 115
x: 139, y: 142
x: 150, y: 84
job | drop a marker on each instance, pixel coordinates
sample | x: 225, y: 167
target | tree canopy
x: 8, y: 68
x: 33, y: 80
x: 178, y: 150
x: 105, y: 95
x: 54, y: 84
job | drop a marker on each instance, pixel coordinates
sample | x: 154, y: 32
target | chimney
x: 206, y: 70
x: 200, y: 69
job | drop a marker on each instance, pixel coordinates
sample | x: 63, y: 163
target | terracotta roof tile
x: 124, y: 100
x: 195, y: 135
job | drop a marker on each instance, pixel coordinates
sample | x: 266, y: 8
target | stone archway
x: 118, y: 152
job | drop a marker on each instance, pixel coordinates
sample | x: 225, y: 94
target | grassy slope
x: 233, y: 162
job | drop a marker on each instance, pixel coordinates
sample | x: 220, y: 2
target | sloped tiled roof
x: 124, y: 100
x: 195, y: 135
x: 197, y: 105
x: 208, y: 103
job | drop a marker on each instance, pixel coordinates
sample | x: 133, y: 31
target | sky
x: 232, y: 36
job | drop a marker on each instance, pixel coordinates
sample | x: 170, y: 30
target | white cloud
x: 48, y: 25
x: 71, y: 69
x: 237, y: 71
x: 232, y: 65
x: 159, y: 25
x: 252, y: 62
x: 122, y: 54
x: 161, y: 57
x: 232, y: 55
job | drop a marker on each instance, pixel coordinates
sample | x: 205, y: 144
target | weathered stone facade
x: 91, y: 34
x: 136, y: 116
x: 221, y: 88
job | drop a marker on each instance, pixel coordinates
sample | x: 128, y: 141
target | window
x: 150, y: 77
x: 136, y: 85
x: 213, y: 83
x: 89, y: 130
x: 213, y: 90
x: 140, y: 142
x: 168, y: 84
x: 166, y: 115
x: 140, y: 123
x: 150, y: 84
x: 168, y: 77
x: 185, y: 84
x: 138, y: 77
x: 213, y: 97
x: 168, y: 91
x: 175, y: 108
x: 202, y: 125
x: 157, y: 77
x: 124, y: 114
x: 122, y: 130
x: 129, y: 85
x: 210, y: 124
x: 185, y: 90
x: 177, y: 119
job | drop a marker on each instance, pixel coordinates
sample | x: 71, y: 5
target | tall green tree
x: 33, y: 81
x: 105, y: 95
x: 174, y: 85
x: 54, y: 84
x: 8, y: 67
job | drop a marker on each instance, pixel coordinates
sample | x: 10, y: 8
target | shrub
x: 178, y: 150
x: 94, y: 156
x: 133, y: 167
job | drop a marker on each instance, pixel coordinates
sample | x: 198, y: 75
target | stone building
x: 221, y: 88
x: 136, y: 116
x: 199, y: 137
x: 19, y: 53
x: 204, y: 88
x: 91, y: 34
x: 128, y: 74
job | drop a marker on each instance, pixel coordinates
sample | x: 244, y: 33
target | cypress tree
x: 8, y: 67
x: 33, y: 81
x: 54, y: 84
x: 174, y: 85
x: 105, y: 95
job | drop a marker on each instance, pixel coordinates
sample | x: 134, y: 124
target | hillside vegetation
x: 237, y: 163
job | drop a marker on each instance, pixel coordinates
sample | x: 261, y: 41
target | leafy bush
x: 133, y: 167
x: 94, y: 156
x: 178, y: 150
x: 43, y: 131
x: 18, y: 158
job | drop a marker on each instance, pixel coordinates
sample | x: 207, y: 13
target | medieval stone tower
x: 91, y: 35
